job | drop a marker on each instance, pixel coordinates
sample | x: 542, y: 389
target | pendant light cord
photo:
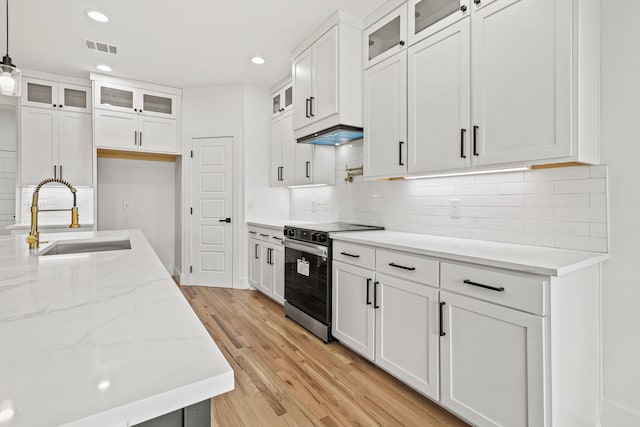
x: 7, y: 27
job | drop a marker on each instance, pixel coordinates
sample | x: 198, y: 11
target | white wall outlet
x: 454, y: 208
x: 125, y: 205
x: 314, y: 206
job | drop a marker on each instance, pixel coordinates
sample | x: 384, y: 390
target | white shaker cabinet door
x: 407, y: 332
x: 353, y: 316
x: 302, y: 92
x: 439, y: 100
x: 385, y: 117
x: 325, y: 76
x: 75, y: 148
x: 158, y: 135
x: 116, y: 130
x: 288, y: 149
x: 278, y: 274
x: 276, y: 167
x: 492, y: 360
x: 254, y: 263
x: 266, y: 282
x: 38, y: 136
x: 521, y: 81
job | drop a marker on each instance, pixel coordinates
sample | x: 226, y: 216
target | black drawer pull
x: 442, y: 332
x: 253, y: 232
x: 277, y: 238
x: 350, y: 255
x: 368, y: 296
x: 480, y: 285
x: 375, y: 295
x: 393, y: 264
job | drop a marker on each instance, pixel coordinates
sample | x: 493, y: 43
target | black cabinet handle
x: 270, y: 256
x: 400, y: 144
x: 475, y: 141
x: 55, y: 171
x: 308, y: 169
x: 375, y: 295
x: 55, y: 105
x: 140, y: 139
x: 61, y: 106
x: 256, y: 251
x: 401, y: 43
x: 463, y: 8
x: 442, y: 332
x: 264, y: 235
x: 311, y: 106
x: 349, y: 255
x: 253, y: 232
x: 61, y: 172
x: 480, y: 285
x: 462, y: 132
x: 306, y: 107
x: 393, y: 264
x: 368, y: 296
x: 135, y: 137
x: 476, y: 1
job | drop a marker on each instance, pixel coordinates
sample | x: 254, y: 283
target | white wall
x: 244, y: 111
x: 149, y: 187
x: 8, y: 162
x: 621, y: 152
x: 563, y: 208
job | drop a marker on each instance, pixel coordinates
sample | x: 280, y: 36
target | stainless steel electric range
x: 307, y: 279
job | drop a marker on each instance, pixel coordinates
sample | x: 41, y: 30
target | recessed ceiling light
x: 104, y: 68
x: 258, y: 60
x: 97, y: 16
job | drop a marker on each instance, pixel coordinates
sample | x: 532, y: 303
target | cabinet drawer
x: 521, y: 291
x: 413, y: 267
x: 354, y: 254
x: 270, y: 235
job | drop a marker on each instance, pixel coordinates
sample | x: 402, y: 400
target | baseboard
x: 614, y: 415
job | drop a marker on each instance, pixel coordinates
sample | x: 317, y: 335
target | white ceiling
x: 183, y: 43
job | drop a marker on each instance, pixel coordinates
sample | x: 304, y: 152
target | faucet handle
x: 32, y: 241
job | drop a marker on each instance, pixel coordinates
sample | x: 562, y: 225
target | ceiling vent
x: 101, y: 47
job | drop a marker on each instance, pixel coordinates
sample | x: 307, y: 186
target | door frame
x: 239, y: 274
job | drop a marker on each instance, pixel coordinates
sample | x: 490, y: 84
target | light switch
x: 454, y: 208
x: 125, y: 205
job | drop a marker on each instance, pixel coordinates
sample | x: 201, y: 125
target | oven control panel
x: 319, y: 237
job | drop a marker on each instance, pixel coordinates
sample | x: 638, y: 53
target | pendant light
x: 9, y: 74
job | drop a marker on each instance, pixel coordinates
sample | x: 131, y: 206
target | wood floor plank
x: 285, y: 376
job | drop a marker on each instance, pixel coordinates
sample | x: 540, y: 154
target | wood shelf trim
x: 558, y: 165
x: 135, y: 155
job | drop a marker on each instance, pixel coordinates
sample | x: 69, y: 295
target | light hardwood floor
x: 286, y: 376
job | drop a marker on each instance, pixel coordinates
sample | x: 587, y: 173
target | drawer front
x: 270, y: 235
x: 412, y: 267
x: 521, y: 291
x: 361, y: 256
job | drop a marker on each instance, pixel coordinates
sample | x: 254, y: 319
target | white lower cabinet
x: 266, y: 263
x: 407, y: 332
x: 492, y: 363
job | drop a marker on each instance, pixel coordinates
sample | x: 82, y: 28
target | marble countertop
x: 530, y: 259
x: 275, y: 223
x: 98, y: 339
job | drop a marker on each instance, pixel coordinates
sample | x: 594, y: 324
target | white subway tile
x: 495, y: 200
x: 580, y: 214
x: 557, y: 174
x: 516, y: 225
x: 592, y: 244
x: 598, y: 171
x: 557, y: 227
x: 597, y: 185
x: 476, y: 211
x: 456, y: 180
x: 598, y: 230
x: 470, y: 233
x: 557, y: 200
x: 528, y: 239
x: 499, y: 178
x: 476, y: 189
x: 598, y: 200
x: 526, y: 213
x: 527, y: 187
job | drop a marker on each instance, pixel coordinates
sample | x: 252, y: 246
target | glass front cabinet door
x: 282, y: 100
x: 386, y: 37
x: 426, y: 17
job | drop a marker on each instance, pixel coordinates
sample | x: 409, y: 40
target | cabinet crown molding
x: 338, y: 18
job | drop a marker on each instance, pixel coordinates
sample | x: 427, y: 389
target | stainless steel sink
x: 78, y: 247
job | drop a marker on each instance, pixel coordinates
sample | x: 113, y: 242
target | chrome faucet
x: 33, y: 239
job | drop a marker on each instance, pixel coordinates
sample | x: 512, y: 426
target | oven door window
x: 306, y: 283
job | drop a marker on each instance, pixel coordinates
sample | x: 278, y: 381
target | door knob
x: 227, y: 220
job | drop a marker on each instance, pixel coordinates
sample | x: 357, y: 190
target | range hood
x: 335, y: 135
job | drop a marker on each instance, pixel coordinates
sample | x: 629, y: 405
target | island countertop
x: 98, y: 339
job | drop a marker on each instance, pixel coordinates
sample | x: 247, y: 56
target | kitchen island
x: 99, y: 338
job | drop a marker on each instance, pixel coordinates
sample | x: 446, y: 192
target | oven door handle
x: 322, y: 251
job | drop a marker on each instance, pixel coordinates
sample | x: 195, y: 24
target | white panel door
x: 158, y: 135
x: 492, y: 363
x: 301, y: 75
x: 407, y: 332
x: 440, y: 100
x: 522, y: 80
x: 116, y: 130
x: 75, y: 148
x: 212, y: 202
x: 353, y: 316
x: 325, y: 76
x: 385, y: 117
x: 254, y: 263
x: 38, y: 135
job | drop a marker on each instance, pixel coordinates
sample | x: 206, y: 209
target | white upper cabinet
x: 327, y: 77
x: 136, y: 118
x: 282, y: 100
x: 386, y: 37
x: 522, y: 81
x: 440, y: 101
x: 427, y: 17
x: 385, y: 117
x: 42, y: 93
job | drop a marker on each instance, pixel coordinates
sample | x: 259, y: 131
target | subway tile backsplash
x: 563, y: 208
x: 57, y: 197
